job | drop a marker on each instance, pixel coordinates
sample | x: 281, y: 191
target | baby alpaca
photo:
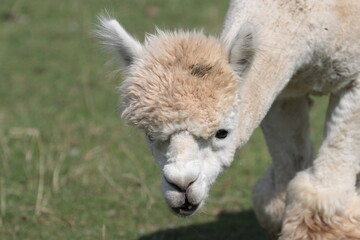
x: 198, y: 98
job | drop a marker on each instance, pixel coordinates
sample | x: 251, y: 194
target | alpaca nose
x: 181, y: 176
x: 182, y: 184
x: 187, y: 208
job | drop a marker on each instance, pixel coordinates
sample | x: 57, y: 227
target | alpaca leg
x: 286, y: 130
x: 322, y: 201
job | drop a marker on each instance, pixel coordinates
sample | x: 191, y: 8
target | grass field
x: 69, y: 167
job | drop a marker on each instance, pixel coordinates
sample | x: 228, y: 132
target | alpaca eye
x: 151, y: 138
x: 221, y: 134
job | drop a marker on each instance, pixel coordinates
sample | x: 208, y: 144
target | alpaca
x: 198, y: 98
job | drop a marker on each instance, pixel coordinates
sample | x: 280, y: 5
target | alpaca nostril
x: 175, y: 186
x: 190, y: 184
x: 179, y: 187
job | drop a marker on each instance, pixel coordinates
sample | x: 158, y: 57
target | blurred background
x: 69, y: 167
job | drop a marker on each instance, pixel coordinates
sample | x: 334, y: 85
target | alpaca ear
x: 117, y: 41
x: 243, y: 49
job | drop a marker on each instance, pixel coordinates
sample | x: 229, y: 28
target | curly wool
x: 183, y: 81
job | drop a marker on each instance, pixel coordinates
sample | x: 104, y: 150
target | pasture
x: 70, y: 168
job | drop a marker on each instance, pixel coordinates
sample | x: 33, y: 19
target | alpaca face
x: 181, y: 90
x: 190, y: 164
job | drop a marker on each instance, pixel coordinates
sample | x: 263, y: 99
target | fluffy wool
x: 181, y: 82
x: 198, y: 98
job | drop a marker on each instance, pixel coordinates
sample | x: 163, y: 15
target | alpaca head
x: 181, y: 90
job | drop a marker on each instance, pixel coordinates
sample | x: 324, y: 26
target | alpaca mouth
x: 186, y: 210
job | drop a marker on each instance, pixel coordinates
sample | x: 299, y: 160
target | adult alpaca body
x: 198, y: 98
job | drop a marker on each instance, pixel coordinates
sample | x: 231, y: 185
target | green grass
x: 69, y: 167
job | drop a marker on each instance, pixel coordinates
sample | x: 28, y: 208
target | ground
x: 69, y: 167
